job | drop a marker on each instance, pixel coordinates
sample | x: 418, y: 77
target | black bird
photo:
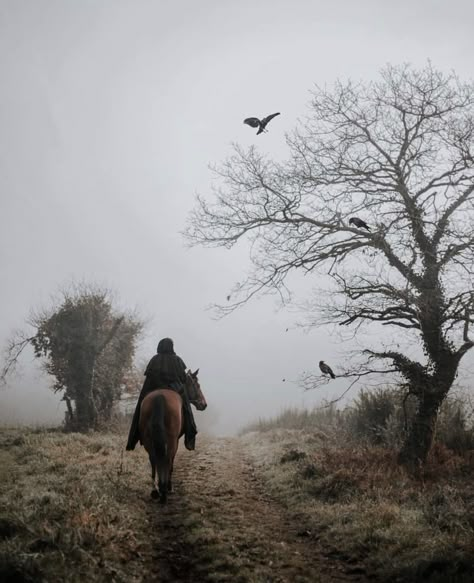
x: 359, y: 223
x: 325, y: 369
x: 261, y: 124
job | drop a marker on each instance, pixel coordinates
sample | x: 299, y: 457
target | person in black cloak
x: 165, y: 369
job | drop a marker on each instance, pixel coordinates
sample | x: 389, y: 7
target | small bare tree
x: 398, y: 155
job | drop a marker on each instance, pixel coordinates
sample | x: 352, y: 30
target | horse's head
x: 194, y: 390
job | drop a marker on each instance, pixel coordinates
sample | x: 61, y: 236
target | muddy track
x: 220, y: 525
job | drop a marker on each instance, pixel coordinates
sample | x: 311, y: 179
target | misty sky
x: 111, y: 112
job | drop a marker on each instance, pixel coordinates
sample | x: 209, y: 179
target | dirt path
x: 220, y: 525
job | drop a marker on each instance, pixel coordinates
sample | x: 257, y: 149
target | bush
x: 455, y: 427
x: 371, y: 412
x: 379, y: 417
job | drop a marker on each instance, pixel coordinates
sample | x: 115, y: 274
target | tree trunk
x: 419, y: 440
x: 85, y: 418
x: 70, y: 412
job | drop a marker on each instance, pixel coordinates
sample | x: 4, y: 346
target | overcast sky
x: 111, y: 112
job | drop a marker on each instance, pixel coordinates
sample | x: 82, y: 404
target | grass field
x: 75, y: 508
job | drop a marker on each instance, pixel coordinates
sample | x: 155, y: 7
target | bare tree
x: 398, y: 155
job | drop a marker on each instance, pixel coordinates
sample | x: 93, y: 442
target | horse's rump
x: 169, y: 403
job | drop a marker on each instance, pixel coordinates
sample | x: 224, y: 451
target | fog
x: 110, y: 114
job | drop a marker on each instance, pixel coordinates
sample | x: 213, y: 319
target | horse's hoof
x: 154, y: 494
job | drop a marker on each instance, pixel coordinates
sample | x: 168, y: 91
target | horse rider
x: 165, y: 370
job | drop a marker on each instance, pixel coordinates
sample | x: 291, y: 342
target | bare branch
x: 12, y: 354
x: 467, y: 320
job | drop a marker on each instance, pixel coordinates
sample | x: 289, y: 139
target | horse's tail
x: 159, y: 442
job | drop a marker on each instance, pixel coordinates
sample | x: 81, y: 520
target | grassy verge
x: 63, y: 516
x: 364, y: 508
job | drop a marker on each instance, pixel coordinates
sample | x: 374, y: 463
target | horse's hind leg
x: 154, y: 493
x: 163, y: 480
x: 163, y: 488
x: 173, y: 450
x: 170, y: 476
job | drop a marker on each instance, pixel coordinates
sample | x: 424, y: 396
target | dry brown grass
x: 61, y: 497
x: 364, y: 508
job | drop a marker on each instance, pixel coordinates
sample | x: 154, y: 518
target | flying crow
x: 325, y: 369
x: 261, y: 124
x: 359, y: 223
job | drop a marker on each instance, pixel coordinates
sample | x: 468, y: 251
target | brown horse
x: 161, y: 426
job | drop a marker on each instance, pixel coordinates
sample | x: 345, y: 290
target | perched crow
x: 359, y: 223
x: 325, y: 369
x: 261, y: 124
